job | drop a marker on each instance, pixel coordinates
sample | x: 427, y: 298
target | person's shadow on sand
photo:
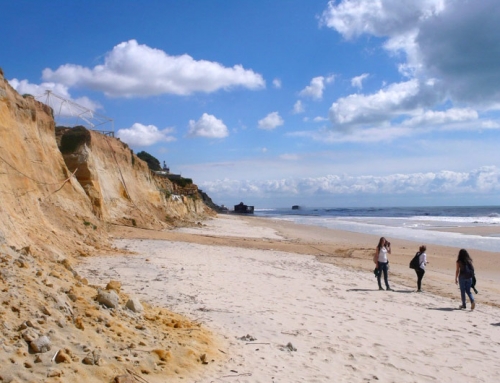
x: 393, y: 291
x: 444, y: 309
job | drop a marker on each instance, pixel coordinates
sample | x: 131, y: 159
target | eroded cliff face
x: 41, y: 204
x: 54, y: 326
x: 62, y: 198
x: 120, y: 186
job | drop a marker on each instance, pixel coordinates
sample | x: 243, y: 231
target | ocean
x: 420, y: 224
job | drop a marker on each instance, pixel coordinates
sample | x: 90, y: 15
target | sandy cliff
x: 40, y: 202
x: 120, y: 186
x: 45, y: 204
x: 58, y: 197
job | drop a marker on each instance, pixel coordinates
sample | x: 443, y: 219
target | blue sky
x: 277, y: 103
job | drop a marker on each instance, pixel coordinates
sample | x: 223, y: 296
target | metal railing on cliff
x: 69, y: 113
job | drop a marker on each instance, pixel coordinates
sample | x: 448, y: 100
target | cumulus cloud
x: 396, y: 99
x: 478, y: 181
x: 357, y: 82
x: 316, y: 87
x: 461, y: 47
x: 277, y: 83
x: 271, y: 121
x: 60, y: 108
x: 298, y: 107
x: 208, y: 126
x: 457, y: 42
x: 132, y: 69
x: 451, y: 115
x: 145, y: 135
x: 380, y: 18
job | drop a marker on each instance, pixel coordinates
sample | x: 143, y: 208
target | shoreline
x: 342, y: 248
x: 297, y: 303
x: 353, y: 249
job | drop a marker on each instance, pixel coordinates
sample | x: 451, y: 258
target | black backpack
x: 415, y: 262
x: 468, y: 271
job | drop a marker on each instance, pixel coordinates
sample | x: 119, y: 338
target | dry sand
x: 301, y: 304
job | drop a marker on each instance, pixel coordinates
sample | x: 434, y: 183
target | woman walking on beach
x: 381, y: 261
x: 420, y: 270
x: 463, y: 277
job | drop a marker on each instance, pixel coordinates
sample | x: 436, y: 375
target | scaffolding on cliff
x: 69, y: 113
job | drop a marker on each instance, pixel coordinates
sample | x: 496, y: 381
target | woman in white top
x: 381, y: 261
x: 422, y: 261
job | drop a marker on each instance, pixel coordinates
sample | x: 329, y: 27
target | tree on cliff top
x: 152, y: 162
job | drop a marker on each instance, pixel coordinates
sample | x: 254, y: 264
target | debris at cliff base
x: 60, y: 195
x: 53, y: 325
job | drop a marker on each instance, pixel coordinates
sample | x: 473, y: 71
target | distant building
x: 241, y: 208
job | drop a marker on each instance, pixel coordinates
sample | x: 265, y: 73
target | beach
x: 296, y: 303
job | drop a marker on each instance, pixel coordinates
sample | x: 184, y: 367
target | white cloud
x: 489, y: 124
x: 277, y: 83
x: 357, y: 82
x: 380, y: 18
x: 383, y: 133
x: 442, y: 117
x: 271, y: 121
x: 208, y: 126
x: 145, y: 135
x: 320, y: 119
x: 401, y: 98
x: 315, y: 88
x: 447, y: 50
x: 60, y: 108
x: 478, y: 181
x: 131, y: 69
x: 465, y: 119
x: 461, y: 48
x: 456, y: 42
x: 298, y: 107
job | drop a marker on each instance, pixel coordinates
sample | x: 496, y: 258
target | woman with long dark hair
x: 463, y: 277
x: 382, y: 262
x: 422, y: 261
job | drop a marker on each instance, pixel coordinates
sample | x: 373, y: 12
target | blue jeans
x: 382, y: 268
x: 465, y: 285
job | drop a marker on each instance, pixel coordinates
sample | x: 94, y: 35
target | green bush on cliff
x: 152, y: 162
x: 73, y: 138
x: 182, y: 182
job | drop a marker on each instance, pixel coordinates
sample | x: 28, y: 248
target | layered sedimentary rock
x: 40, y: 202
x: 121, y: 188
x: 60, y: 193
